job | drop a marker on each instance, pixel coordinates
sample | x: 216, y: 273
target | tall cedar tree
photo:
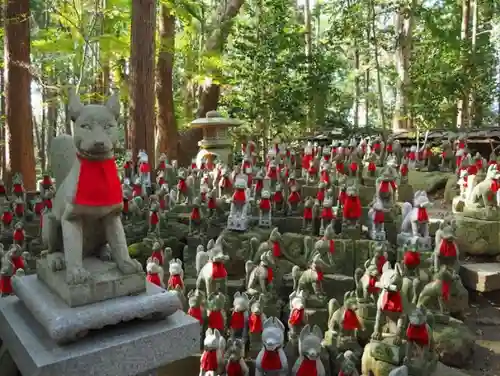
x: 19, y: 151
x: 142, y: 77
x: 167, y: 127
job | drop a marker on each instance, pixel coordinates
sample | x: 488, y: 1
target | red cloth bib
x: 404, y: 169
x: 216, y: 320
x: 137, y: 190
x: 218, y: 270
x: 372, y: 167
x: 418, y: 334
x: 158, y: 255
x: 278, y: 196
x: 19, y: 209
x: 255, y: 323
x: 306, y: 161
x: 294, y: 198
x: 98, y: 183
x: 162, y: 165
x: 270, y: 274
x: 38, y: 208
x: 195, y: 214
x: 182, y: 186
x: 258, y: 185
x: 388, y: 148
x: 307, y: 368
x: 208, y: 360
x: 376, y: 147
x: 238, y: 320
x: 352, y: 207
x: 327, y: 213
x: 325, y: 177
x: 372, y: 288
x: 296, y: 316
x: 196, y: 313
x: 265, y: 204
x: 445, y: 290
x: 353, y: 167
x: 379, y: 217
x: 340, y: 168
x: 226, y: 183
x: 392, y: 301
x: 351, y: 321
x: 331, y: 246
x: 342, y: 197
x: 234, y: 369
x: 2, y: 190
x: 154, y: 278
x: 320, y: 275
x: 18, y: 235
x: 127, y: 165
x: 271, y: 361
x: 145, y: 168
x: 18, y: 262
x: 308, y: 213
x: 239, y: 196
x: 384, y: 187
x: 448, y: 248
x: 18, y: 188
x: 411, y: 259
x: 212, y: 203
x: 174, y: 281
x: 422, y: 215
x: 7, y: 218
x: 320, y: 195
x: 48, y: 203
x: 276, y: 249
x: 46, y: 181
x: 6, y: 284
x: 154, y: 218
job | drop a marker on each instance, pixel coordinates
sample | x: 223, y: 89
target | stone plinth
x: 64, y: 324
x: 405, y: 193
x: 477, y: 236
x: 106, y: 281
x: 127, y: 350
x: 482, y: 277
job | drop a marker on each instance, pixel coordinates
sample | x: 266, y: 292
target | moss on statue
x: 454, y: 343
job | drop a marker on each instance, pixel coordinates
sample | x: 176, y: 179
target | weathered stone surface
x: 233, y: 285
x: 127, y: 350
x: 451, y: 189
x: 454, y: 343
x: 106, y: 282
x: 63, y: 323
x: 405, y: 193
x: 429, y: 182
x: 477, y: 237
x: 482, y: 277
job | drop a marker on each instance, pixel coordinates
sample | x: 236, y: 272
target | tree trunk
x: 2, y: 102
x: 167, y: 126
x: 473, y: 114
x: 142, y: 76
x: 209, y: 97
x: 377, y: 67
x: 357, y: 88
x: 463, y: 102
x: 20, y: 156
x: 51, y: 126
x: 404, y: 26
x: 308, y: 51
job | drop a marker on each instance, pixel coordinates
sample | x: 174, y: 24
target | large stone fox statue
x: 85, y: 218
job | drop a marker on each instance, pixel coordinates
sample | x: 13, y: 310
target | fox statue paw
x: 77, y: 276
x: 130, y: 266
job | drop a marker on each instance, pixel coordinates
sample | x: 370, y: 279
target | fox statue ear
x: 75, y: 106
x: 113, y: 105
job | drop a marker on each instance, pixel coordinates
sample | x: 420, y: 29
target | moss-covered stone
x: 428, y: 181
x: 477, y: 237
x: 139, y: 251
x: 454, y: 343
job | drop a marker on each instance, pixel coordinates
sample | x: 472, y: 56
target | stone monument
x: 216, y: 140
x: 86, y: 280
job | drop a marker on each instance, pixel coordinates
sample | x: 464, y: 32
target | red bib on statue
x: 209, y: 361
x: 271, y: 360
x: 307, y: 368
x: 98, y: 183
x: 238, y: 320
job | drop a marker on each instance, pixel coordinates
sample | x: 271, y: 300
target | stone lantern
x: 216, y: 145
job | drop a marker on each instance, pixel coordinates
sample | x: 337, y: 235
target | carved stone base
x: 106, y: 281
x: 380, y: 357
x: 378, y: 235
x: 66, y: 324
x: 490, y: 213
x: 237, y: 224
x: 424, y: 244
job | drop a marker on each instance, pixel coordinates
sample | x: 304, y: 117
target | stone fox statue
x: 85, y: 217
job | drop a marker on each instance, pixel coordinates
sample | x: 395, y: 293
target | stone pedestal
x: 127, y: 349
x: 405, y: 193
x: 424, y: 244
x: 64, y: 324
x: 477, y: 236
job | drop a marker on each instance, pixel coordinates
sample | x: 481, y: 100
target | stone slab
x: 482, y: 277
x: 106, y: 281
x: 128, y: 349
x: 63, y: 323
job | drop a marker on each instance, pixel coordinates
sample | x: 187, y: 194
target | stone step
x: 482, y: 277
